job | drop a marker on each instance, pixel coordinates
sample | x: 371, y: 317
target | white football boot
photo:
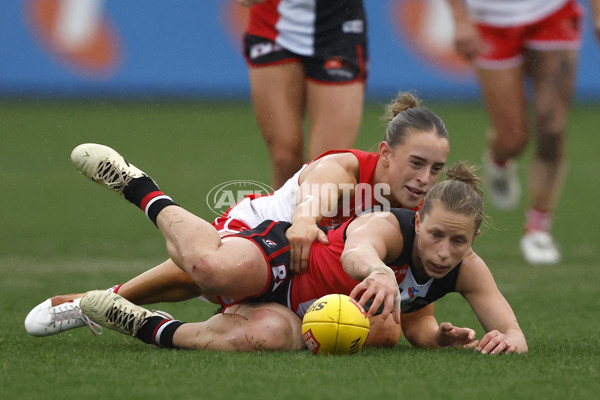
x: 105, y: 166
x: 502, y: 183
x: 114, y: 312
x: 538, y: 247
x: 45, y: 320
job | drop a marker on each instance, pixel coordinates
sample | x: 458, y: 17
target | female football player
x: 409, y: 162
x: 395, y: 258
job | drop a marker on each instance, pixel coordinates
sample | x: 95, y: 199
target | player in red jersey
x: 376, y: 257
x: 509, y: 42
x: 306, y: 58
x: 409, y: 162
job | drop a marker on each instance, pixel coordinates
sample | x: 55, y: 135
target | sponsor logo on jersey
x: 261, y: 49
x: 333, y: 63
x: 279, y: 275
x: 269, y: 243
x: 400, y: 272
x: 353, y: 26
x: 412, y: 292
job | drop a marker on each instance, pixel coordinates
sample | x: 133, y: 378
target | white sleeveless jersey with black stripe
x: 415, y: 294
x: 310, y: 27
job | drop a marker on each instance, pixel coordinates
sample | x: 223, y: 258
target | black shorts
x: 270, y: 238
x: 340, y: 64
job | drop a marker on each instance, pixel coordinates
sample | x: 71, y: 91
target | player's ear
x: 417, y: 222
x: 385, y: 152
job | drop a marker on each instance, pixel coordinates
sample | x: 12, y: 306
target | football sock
x: 115, y: 289
x: 538, y: 220
x: 144, y: 193
x: 158, y: 331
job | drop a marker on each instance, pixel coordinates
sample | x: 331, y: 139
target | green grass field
x: 61, y: 233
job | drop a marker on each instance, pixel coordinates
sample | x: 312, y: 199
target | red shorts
x: 504, y: 46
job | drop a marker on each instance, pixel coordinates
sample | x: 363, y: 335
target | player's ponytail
x: 460, y: 192
x: 404, y: 114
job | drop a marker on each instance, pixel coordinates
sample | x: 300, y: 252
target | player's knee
x: 514, y: 147
x: 287, y: 158
x: 509, y: 142
x: 550, y: 146
x: 207, y: 271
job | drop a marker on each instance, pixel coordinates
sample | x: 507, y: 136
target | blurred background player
x: 508, y: 42
x: 306, y: 57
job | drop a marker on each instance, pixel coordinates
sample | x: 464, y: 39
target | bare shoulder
x: 474, y: 274
x: 380, y: 227
x: 384, y: 220
x: 344, y: 163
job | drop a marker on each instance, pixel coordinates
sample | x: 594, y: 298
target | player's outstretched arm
x: 371, y: 240
x: 503, y: 333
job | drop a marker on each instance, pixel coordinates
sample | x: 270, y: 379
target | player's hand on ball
x: 379, y: 288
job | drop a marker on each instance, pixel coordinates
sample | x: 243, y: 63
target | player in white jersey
x: 511, y: 12
x: 306, y: 57
x: 509, y: 41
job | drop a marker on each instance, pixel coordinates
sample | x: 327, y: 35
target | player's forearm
x: 307, y: 211
x: 360, y: 262
x: 314, y: 201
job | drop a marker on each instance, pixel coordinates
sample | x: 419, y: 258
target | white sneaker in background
x: 502, y: 183
x: 539, y: 248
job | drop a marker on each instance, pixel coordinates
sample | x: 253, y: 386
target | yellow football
x: 335, y: 324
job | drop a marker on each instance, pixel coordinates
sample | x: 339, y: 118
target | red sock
x: 538, y: 220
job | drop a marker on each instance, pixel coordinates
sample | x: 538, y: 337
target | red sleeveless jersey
x: 364, y: 194
x: 325, y: 272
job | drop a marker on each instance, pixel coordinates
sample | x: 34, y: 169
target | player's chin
x: 436, y: 271
x: 412, y: 197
